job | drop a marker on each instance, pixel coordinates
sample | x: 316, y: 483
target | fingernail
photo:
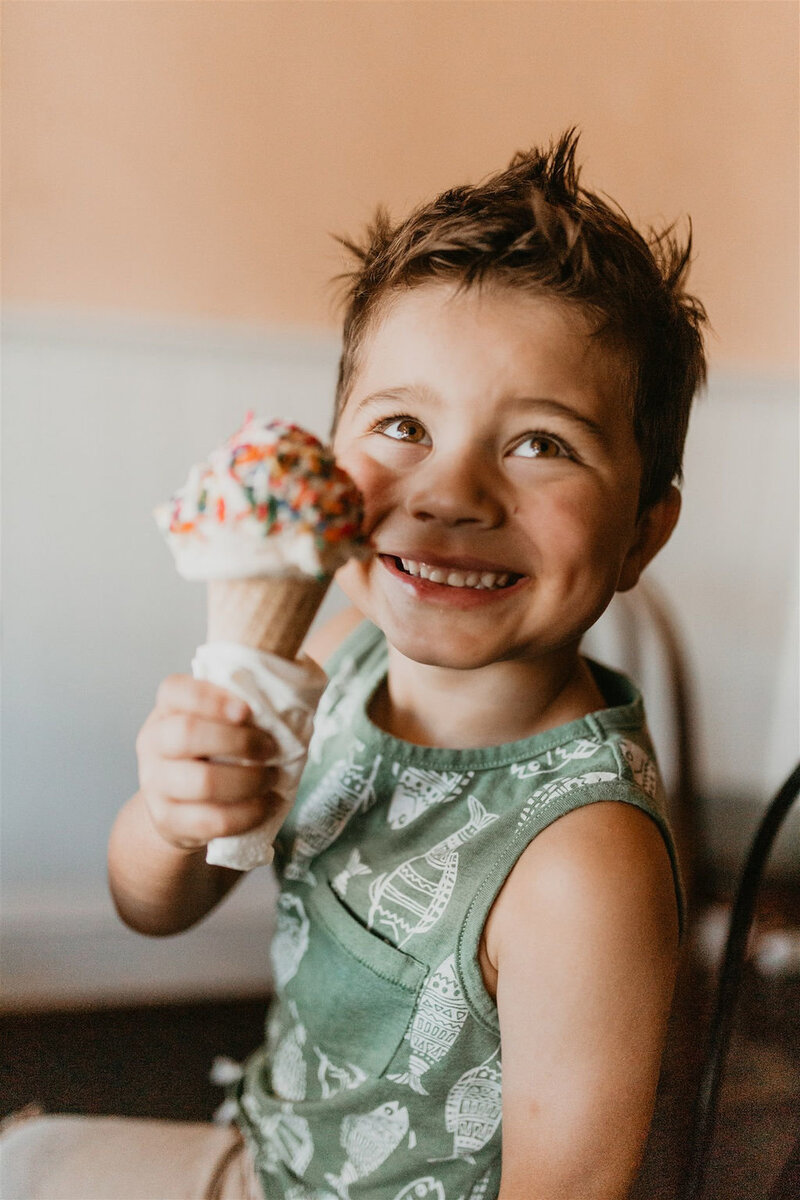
x: 237, y: 710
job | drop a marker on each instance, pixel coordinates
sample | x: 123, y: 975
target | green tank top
x: 381, y: 1074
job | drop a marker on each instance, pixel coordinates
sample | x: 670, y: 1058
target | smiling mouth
x: 455, y: 577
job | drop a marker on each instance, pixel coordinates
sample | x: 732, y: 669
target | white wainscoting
x: 102, y: 418
x: 72, y: 951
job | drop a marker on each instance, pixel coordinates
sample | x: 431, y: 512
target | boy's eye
x: 404, y: 429
x: 540, y: 445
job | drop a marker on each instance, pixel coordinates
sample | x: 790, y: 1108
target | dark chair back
x: 727, y: 992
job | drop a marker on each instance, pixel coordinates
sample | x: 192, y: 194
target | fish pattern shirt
x: 381, y: 1073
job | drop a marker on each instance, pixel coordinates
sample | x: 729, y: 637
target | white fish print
x: 290, y: 941
x: 354, y: 866
x: 299, y: 1192
x: 554, y: 760
x: 474, y: 1107
x: 439, y: 1016
x: 334, y: 1078
x: 286, y: 1139
x: 478, y: 1192
x: 335, y: 710
x: 347, y: 788
x: 643, y: 768
x: 289, y: 1064
x: 250, y: 1106
x: 368, y: 1140
x: 410, y: 899
x: 418, y: 790
x: 426, y: 1188
x: 549, y: 792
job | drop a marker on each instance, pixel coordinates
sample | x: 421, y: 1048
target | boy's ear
x: 653, y: 531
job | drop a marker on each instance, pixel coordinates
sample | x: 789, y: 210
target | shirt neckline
x: 595, y: 726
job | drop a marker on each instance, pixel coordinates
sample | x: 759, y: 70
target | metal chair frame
x: 742, y: 915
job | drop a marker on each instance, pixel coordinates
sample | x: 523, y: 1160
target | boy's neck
x: 502, y: 702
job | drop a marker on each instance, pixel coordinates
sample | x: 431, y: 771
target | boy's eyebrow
x: 556, y: 408
x: 400, y: 395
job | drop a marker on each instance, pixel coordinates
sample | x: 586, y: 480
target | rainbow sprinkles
x: 270, y: 502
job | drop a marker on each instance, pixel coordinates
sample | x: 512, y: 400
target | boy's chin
x: 451, y: 653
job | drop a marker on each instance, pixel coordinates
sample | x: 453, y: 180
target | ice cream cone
x: 266, y: 522
x: 269, y: 614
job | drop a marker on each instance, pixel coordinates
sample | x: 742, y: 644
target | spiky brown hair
x: 532, y: 226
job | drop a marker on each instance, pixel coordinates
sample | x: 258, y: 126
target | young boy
x: 479, y: 910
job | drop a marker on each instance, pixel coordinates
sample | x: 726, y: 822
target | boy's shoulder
x: 606, y: 859
x: 323, y: 642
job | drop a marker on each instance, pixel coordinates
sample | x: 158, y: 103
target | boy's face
x: 493, y: 444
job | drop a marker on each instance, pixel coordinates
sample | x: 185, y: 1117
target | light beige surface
x: 95, y: 1158
x: 193, y: 157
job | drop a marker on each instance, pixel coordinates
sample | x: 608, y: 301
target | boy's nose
x: 458, y: 491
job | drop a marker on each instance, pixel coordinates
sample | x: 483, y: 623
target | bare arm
x: 584, y: 941
x: 158, y: 888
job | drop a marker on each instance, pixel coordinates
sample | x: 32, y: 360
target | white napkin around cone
x: 283, y: 695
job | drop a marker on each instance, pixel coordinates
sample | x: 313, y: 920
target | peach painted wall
x: 184, y: 163
x: 192, y: 157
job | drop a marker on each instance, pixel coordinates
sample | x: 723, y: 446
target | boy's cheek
x: 593, y: 520
x: 351, y: 579
x: 373, y: 480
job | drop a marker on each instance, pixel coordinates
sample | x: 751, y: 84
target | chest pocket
x: 353, y: 992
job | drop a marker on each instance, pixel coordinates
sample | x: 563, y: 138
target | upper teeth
x: 453, y: 578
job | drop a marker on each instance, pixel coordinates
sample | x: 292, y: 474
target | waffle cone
x: 273, y: 615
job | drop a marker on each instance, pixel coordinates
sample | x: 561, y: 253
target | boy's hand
x: 191, y: 799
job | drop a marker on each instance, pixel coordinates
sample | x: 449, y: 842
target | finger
x: 197, y: 781
x: 185, y: 735
x: 184, y: 693
x: 193, y: 825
